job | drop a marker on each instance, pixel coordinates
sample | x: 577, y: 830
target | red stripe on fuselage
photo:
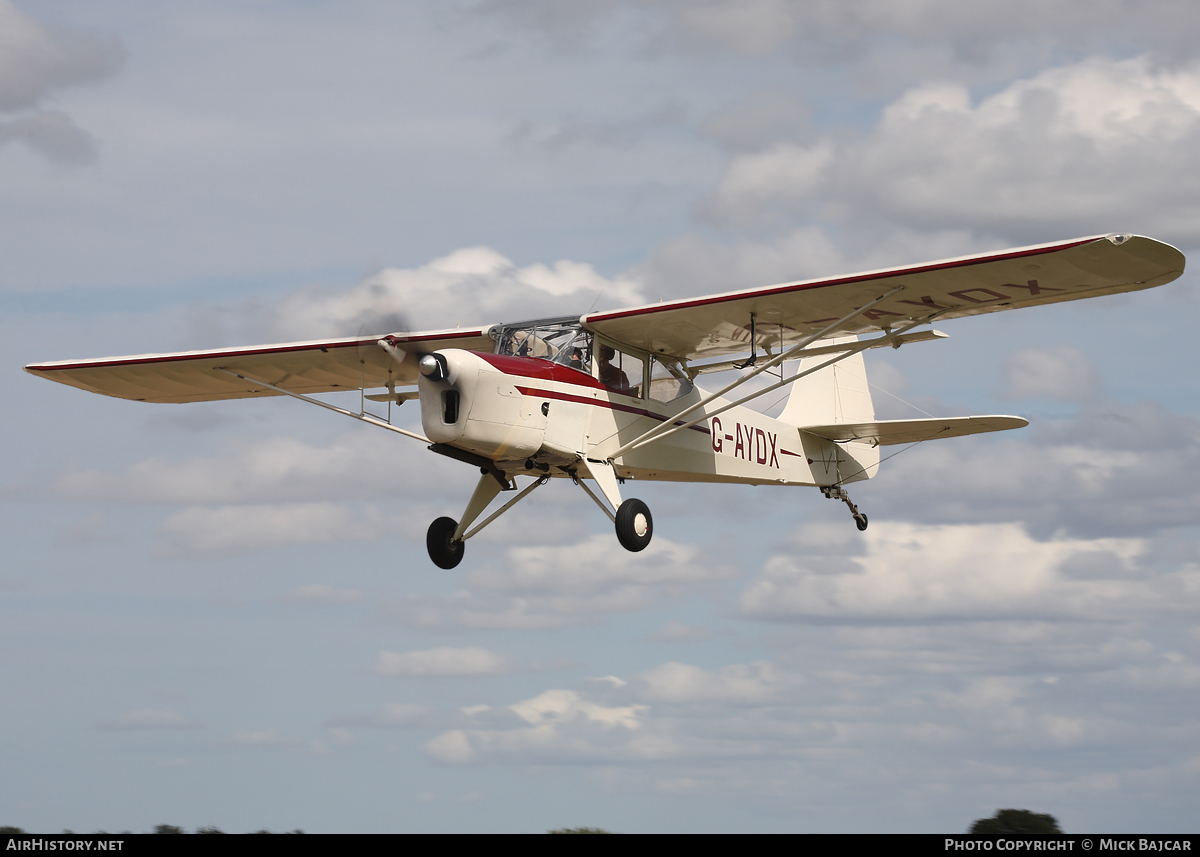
x: 543, y: 370
x: 602, y: 403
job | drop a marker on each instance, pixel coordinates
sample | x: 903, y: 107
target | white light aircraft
x: 610, y: 396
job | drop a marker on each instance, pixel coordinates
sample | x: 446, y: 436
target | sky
x: 223, y: 614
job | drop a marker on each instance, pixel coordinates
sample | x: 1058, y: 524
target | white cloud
x: 1011, y: 710
x: 236, y: 529
x: 906, y: 572
x: 453, y: 747
x: 762, y: 119
x: 905, y: 695
x: 561, y: 706
x: 560, y: 725
x: 550, y: 586
x: 281, y: 490
x: 34, y: 64
x: 1077, y: 149
x: 740, y: 684
x: 284, y: 469
x: 1059, y: 372
x: 446, y: 661
x: 691, y: 265
x: 474, y: 285
x: 783, y: 177
x: 1112, y: 469
x: 597, y: 565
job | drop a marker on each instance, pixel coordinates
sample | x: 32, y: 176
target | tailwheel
x: 635, y: 526
x: 443, y: 550
x: 837, y: 492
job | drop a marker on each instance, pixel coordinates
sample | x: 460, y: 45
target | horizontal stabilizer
x: 399, y: 397
x: 888, y: 432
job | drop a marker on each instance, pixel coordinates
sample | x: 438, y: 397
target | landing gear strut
x: 635, y: 525
x: 632, y: 518
x: 446, y: 536
x: 837, y: 492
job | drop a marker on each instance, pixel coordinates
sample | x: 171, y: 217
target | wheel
x: 634, y: 525
x: 860, y: 521
x: 444, y: 552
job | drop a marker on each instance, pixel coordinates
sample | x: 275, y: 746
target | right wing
x: 302, y: 367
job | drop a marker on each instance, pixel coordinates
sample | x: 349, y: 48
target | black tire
x: 635, y: 526
x: 444, y: 552
x: 860, y: 521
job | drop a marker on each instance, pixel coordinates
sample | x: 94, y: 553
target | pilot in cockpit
x: 611, y: 376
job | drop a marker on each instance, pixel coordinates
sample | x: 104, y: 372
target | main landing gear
x: 632, y: 518
x: 635, y: 526
x: 634, y: 523
x: 445, y: 537
x: 443, y: 549
x: 837, y: 492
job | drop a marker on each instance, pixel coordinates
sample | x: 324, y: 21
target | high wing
x: 714, y: 326
x: 888, y: 432
x: 301, y: 367
x: 784, y: 315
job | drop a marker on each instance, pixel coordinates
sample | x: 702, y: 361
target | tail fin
x: 836, y: 394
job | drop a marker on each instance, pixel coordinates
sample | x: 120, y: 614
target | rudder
x: 836, y: 394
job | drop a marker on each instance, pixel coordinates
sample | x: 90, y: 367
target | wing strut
x: 757, y: 393
x: 362, y: 417
x: 664, y: 429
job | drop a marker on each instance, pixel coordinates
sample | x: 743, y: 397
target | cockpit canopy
x: 559, y: 340
x: 620, y: 369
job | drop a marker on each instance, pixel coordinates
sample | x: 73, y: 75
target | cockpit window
x: 619, y: 371
x: 557, y: 340
x: 668, y: 381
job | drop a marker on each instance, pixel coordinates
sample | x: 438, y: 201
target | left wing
x: 321, y: 366
x: 784, y: 315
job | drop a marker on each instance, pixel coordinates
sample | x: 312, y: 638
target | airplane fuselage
x: 523, y: 412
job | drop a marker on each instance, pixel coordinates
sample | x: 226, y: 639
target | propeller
x: 374, y: 311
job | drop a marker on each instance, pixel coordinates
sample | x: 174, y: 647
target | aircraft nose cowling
x: 446, y: 383
x: 468, y: 404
